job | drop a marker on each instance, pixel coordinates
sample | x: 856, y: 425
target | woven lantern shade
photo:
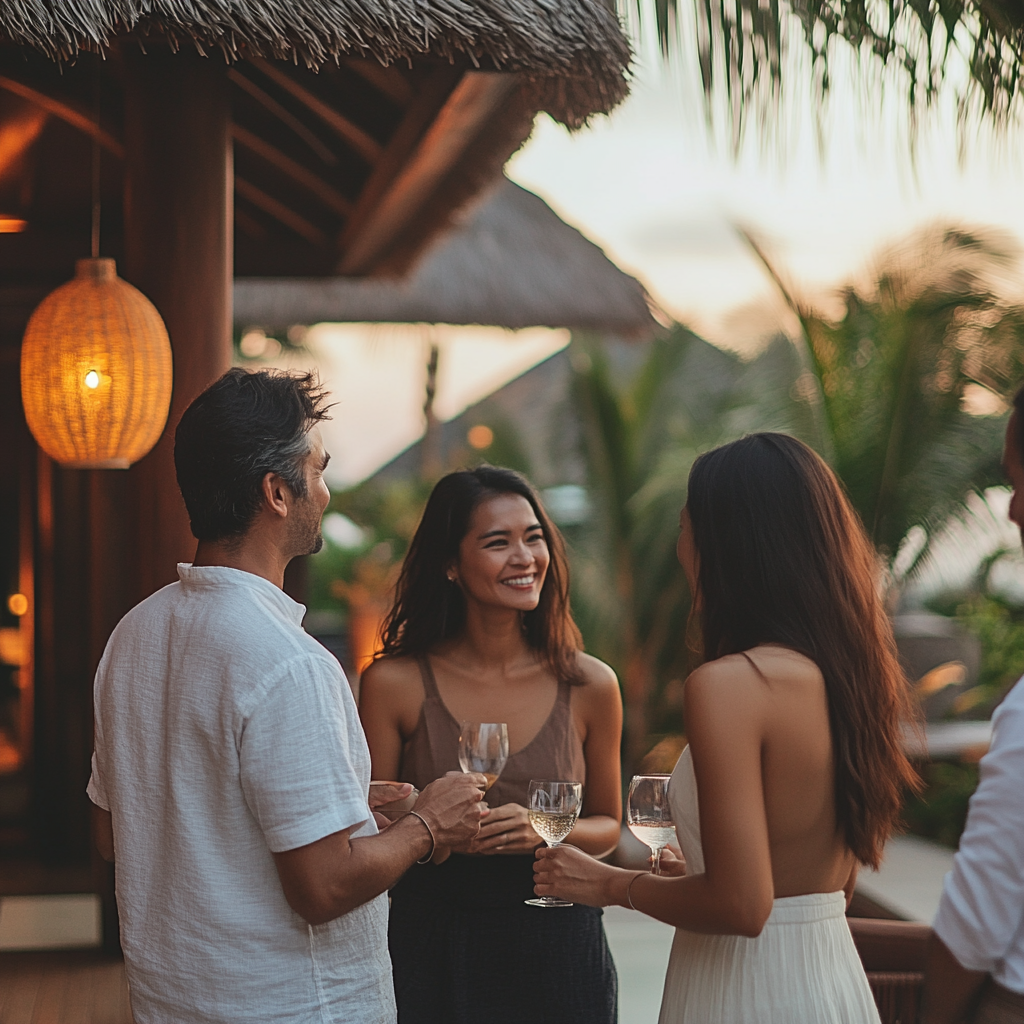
x: 96, y: 371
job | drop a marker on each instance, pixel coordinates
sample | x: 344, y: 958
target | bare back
x: 758, y: 725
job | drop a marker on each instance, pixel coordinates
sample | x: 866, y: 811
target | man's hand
x: 452, y: 808
x: 390, y: 800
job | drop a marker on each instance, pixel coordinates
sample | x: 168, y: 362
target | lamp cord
x: 96, y: 206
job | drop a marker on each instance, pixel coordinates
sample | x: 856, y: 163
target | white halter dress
x: 802, y: 969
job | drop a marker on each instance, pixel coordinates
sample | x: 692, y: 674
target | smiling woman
x: 481, y: 631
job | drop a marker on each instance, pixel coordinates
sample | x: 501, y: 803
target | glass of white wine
x: 553, y: 808
x: 649, y: 815
x: 483, y: 748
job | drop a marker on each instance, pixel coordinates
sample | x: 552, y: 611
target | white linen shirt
x: 981, y: 913
x: 225, y: 734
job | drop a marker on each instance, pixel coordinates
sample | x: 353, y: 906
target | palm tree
x: 878, y: 389
x: 892, y: 375
x: 741, y: 47
x: 639, y: 440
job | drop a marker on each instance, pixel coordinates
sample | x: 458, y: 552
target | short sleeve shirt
x: 225, y: 734
x: 981, y: 913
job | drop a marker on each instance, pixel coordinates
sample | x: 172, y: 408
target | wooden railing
x: 893, y: 954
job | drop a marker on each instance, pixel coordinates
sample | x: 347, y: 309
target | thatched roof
x: 512, y: 262
x: 574, y: 49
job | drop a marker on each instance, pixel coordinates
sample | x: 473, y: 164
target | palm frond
x: 742, y: 48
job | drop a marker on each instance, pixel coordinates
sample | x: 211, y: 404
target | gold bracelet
x: 629, y: 899
x: 433, y: 841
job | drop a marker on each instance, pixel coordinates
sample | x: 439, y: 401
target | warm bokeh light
x: 17, y: 604
x: 11, y: 225
x: 100, y: 331
x: 480, y: 436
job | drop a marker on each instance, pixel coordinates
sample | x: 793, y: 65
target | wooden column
x: 178, y: 217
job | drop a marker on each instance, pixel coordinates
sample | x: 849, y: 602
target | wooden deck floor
x: 62, y: 988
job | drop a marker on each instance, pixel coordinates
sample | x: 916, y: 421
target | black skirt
x: 465, y: 949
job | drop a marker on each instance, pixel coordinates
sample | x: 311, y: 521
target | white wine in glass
x: 553, y: 808
x: 483, y: 748
x: 649, y: 815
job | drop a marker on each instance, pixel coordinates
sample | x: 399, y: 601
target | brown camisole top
x: 555, y: 753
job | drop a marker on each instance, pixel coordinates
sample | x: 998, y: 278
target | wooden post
x: 177, y: 240
x: 178, y: 251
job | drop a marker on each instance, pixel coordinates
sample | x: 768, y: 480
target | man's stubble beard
x: 308, y: 537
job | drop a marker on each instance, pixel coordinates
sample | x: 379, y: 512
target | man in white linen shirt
x: 975, y: 969
x: 230, y: 773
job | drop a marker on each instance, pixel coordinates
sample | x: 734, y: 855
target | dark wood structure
x: 308, y: 137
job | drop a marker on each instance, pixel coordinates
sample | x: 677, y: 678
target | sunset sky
x: 650, y: 185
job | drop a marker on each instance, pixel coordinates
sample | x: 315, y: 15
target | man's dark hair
x: 240, y: 428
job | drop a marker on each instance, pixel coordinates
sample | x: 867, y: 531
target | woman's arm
x: 384, y: 699
x: 724, y: 719
x: 600, y: 703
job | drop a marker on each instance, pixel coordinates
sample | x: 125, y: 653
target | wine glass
x: 483, y: 748
x: 553, y: 808
x: 649, y: 815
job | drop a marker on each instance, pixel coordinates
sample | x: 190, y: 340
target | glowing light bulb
x: 17, y: 604
x: 92, y: 379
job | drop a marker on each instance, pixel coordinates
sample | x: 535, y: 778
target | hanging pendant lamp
x: 96, y: 371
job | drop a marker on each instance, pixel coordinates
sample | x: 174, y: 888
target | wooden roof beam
x: 284, y: 115
x: 281, y: 213
x: 470, y: 106
x: 363, y: 143
x: 71, y: 115
x: 301, y: 175
x: 386, y: 79
x: 426, y: 105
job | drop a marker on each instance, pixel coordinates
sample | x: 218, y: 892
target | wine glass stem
x: 656, y: 861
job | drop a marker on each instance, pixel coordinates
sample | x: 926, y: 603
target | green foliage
x: 998, y: 623
x: 640, y: 436
x: 940, y: 810
x: 740, y: 47
x: 890, y: 374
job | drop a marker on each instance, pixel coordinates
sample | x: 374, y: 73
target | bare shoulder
x: 391, y: 680
x: 600, y: 686
x: 723, y: 687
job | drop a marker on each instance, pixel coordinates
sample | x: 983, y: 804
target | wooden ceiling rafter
x: 478, y: 96
x: 427, y: 104
x: 68, y: 112
x: 280, y: 212
x: 361, y: 141
x: 265, y: 100
x: 298, y: 173
x: 388, y: 80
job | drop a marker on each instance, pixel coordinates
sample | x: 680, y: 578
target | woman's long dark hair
x: 783, y: 559
x: 428, y: 608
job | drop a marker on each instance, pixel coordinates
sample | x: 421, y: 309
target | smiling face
x: 503, y: 558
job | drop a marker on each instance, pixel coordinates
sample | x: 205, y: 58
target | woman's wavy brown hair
x: 428, y: 608
x: 784, y: 559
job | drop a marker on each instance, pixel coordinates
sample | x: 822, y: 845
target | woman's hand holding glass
x: 506, y: 829
x: 565, y: 873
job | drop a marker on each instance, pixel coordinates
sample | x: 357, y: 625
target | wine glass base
x: 548, y: 901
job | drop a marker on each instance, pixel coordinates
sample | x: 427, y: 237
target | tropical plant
x: 879, y: 389
x: 892, y: 375
x: 742, y: 49
x: 639, y: 439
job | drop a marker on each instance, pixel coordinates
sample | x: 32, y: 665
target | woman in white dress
x: 794, y: 771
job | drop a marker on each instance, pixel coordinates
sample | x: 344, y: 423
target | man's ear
x: 276, y: 494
